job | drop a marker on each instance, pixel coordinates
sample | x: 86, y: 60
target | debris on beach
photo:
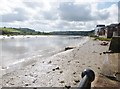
x: 74, y: 72
x: 77, y: 80
x: 57, y: 68
x: 62, y: 81
x: 104, y: 43
x: 49, y: 62
x: 53, y: 69
x: 68, y: 48
x: 68, y: 87
x: 26, y: 84
x: 100, y: 53
x: 61, y: 71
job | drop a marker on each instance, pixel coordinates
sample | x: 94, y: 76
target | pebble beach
x: 61, y: 69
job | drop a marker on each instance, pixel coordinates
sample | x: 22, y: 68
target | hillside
x: 17, y: 31
x: 82, y: 33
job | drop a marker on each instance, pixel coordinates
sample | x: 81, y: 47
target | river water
x: 15, y: 50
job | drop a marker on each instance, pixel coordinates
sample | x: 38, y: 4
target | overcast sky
x: 58, y: 15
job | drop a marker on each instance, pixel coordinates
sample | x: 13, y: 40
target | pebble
x: 68, y: 87
x: 25, y: 75
x: 76, y: 80
x: 62, y: 81
x: 49, y: 62
x: 48, y: 72
x: 61, y: 71
x: 69, y: 61
x: 26, y: 84
x: 83, y: 64
x: 33, y: 64
x: 34, y: 80
x: 53, y: 69
x: 12, y: 84
x: 98, y: 67
x: 74, y: 72
x: 57, y: 68
x: 100, y: 53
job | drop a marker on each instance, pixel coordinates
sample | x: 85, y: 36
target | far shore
x: 60, y: 70
x: 28, y: 36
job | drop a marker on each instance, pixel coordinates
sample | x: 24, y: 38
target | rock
x: 62, y: 81
x: 104, y: 43
x: 61, y: 71
x: 83, y: 64
x: 49, y: 62
x: 76, y: 80
x: 94, y: 52
x: 48, y: 72
x: 53, y: 69
x: 34, y: 81
x: 98, y: 67
x: 57, y: 68
x: 68, y: 48
x: 26, y: 84
x: 77, y: 62
x: 74, y: 83
x: 68, y: 87
x: 33, y: 64
x: 74, y: 72
x: 104, y: 52
x: 12, y: 84
x: 69, y: 61
x: 100, y: 53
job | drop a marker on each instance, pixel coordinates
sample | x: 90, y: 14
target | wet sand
x: 60, y: 70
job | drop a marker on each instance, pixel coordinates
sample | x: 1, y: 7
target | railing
x: 88, y: 77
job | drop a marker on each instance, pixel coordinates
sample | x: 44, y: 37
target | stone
x: 49, y: 62
x: 61, y: 71
x: 62, y: 81
x: 53, y: 69
x: 68, y: 87
x: 26, y: 84
x: 76, y: 80
x: 68, y: 48
x: 57, y: 68
x: 74, y: 72
x: 98, y: 67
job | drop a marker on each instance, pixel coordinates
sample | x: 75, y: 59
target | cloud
x: 80, y: 12
x: 54, y: 15
x: 73, y: 12
x: 34, y: 5
x: 18, y: 14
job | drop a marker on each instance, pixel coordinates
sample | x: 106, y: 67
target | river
x: 18, y: 49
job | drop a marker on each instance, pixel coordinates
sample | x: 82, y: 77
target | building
x: 100, y: 30
x: 1, y: 32
x: 112, y: 30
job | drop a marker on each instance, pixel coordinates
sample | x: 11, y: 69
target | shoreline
x: 28, y: 61
x: 62, y: 69
x: 31, y: 36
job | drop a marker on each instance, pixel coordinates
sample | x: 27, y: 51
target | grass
x: 9, y: 30
x: 102, y: 38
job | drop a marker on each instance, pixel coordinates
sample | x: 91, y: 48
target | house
x: 112, y: 30
x: 1, y: 32
x: 100, y: 30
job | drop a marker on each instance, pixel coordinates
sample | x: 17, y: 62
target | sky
x: 58, y: 15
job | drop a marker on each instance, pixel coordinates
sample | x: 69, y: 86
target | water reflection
x: 21, y: 48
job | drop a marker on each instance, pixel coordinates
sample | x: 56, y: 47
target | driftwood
x: 104, y: 43
x: 68, y: 48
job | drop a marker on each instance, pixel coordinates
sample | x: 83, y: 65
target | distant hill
x: 27, y: 31
x: 82, y: 33
x: 17, y: 31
